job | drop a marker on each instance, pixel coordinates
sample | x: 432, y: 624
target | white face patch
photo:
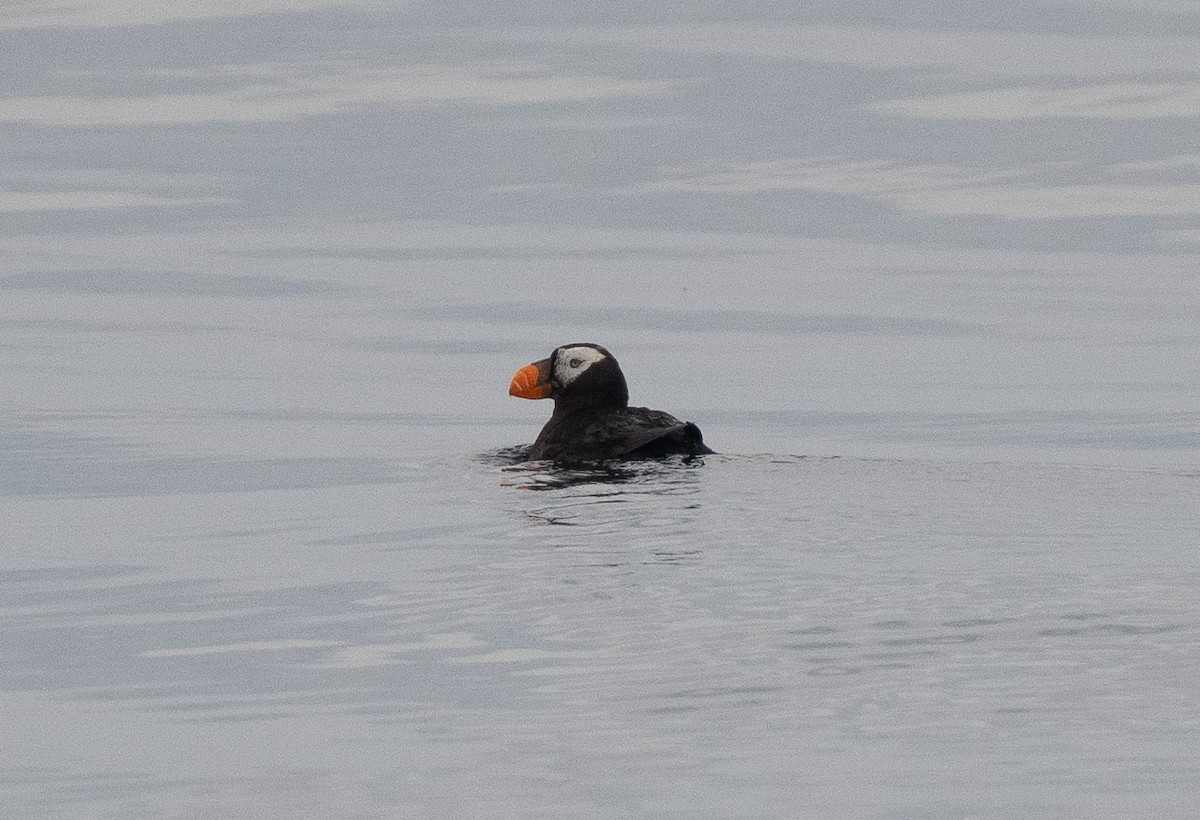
x: 569, y: 362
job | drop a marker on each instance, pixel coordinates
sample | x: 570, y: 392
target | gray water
x: 924, y: 275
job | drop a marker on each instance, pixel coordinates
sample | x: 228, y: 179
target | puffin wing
x: 645, y: 432
x: 627, y: 432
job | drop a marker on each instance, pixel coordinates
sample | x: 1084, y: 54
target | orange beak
x: 532, y: 381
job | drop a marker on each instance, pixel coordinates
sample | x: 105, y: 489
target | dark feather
x: 608, y: 433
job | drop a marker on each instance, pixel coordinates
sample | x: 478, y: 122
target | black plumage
x: 592, y: 419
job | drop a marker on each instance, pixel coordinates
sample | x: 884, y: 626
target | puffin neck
x: 611, y: 395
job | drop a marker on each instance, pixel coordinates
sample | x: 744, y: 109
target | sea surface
x: 926, y: 275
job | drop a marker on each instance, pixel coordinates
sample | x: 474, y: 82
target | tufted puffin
x: 592, y: 419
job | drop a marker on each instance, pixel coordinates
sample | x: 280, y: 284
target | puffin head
x: 576, y: 376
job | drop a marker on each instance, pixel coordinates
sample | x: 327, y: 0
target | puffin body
x: 592, y: 419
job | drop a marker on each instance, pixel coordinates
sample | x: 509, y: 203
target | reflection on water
x: 818, y: 609
x: 659, y: 473
x: 658, y: 499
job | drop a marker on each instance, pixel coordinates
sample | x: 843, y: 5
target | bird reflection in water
x: 621, y: 513
x: 654, y: 476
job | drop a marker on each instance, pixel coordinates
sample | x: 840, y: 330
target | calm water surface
x: 925, y: 277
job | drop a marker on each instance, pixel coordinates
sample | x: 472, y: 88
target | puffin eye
x: 574, y: 363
